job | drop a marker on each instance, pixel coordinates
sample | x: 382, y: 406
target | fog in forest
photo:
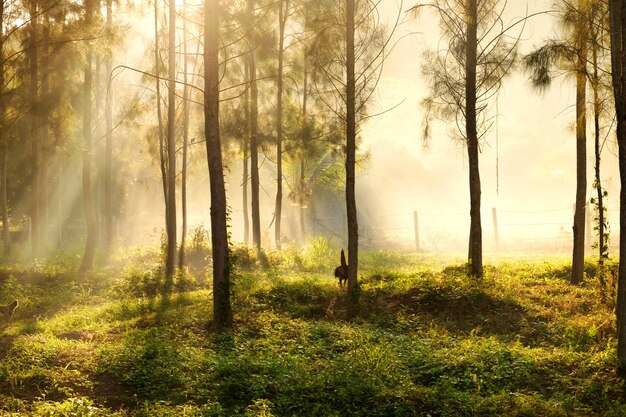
x: 527, y: 160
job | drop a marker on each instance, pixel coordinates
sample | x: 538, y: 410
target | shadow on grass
x: 147, y: 363
x: 457, y: 311
x: 302, y: 299
x: 462, y: 310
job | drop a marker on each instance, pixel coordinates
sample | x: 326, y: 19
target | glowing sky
x: 534, y: 145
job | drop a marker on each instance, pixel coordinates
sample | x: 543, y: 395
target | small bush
x: 72, y: 407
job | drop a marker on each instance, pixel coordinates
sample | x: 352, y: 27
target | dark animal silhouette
x: 341, y: 271
x: 8, y: 309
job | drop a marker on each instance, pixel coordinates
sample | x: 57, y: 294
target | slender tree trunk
x: 98, y: 148
x: 282, y: 20
x: 44, y: 147
x: 353, y: 228
x: 301, y: 198
x: 6, y: 235
x: 108, y: 164
x: 602, y: 247
x: 35, y: 132
x: 476, y: 246
x: 245, y: 175
x: 170, y: 262
x: 162, y: 158
x: 186, y: 108
x: 4, y: 156
x: 578, y: 253
x: 90, y: 243
x: 617, y: 18
x: 246, y: 156
x: 222, y: 312
x: 305, y: 96
x: 60, y: 217
x: 254, y: 134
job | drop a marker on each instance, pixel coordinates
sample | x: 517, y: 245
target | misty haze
x: 312, y: 208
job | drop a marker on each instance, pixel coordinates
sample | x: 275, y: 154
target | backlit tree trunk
x: 157, y: 80
x: 186, y: 113
x: 222, y: 312
x: 617, y: 17
x: 108, y: 165
x: 301, y: 198
x: 353, y: 228
x: 33, y: 55
x: 44, y: 137
x: 4, y: 155
x: 305, y: 96
x: 476, y: 246
x: 92, y: 228
x: 245, y: 174
x: 6, y: 236
x: 254, y: 133
x: 282, y: 20
x: 170, y: 261
x: 595, y: 83
x: 578, y: 253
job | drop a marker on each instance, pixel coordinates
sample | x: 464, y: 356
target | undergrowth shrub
x: 244, y: 256
x: 198, y: 251
x: 71, y: 407
x: 163, y: 409
x: 139, y: 282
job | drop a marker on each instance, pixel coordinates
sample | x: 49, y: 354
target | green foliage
x: 320, y: 253
x: 604, y: 240
x: 150, y: 363
x: 72, y: 407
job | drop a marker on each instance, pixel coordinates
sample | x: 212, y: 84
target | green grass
x: 429, y: 340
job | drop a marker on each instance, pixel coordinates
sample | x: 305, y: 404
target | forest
x: 312, y: 208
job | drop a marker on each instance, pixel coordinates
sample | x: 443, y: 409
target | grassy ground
x: 430, y: 341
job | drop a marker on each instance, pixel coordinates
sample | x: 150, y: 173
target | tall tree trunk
x: 108, y: 164
x: 157, y: 80
x: 90, y: 243
x: 4, y: 156
x: 617, y: 18
x: 222, y: 312
x: 301, y: 197
x: 245, y: 175
x: 578, y: 253
x: 170, y: 262
x: 97, y: 155
x: 4, y: 160
x: 602, y: 247
x: 476, y: 245
x: 186, y: 113
x: 282, y: 20
x: 246, y: 156
x: 305, y: 96
x: 353, y: 228
x: 254, y: 133
x: 44, y: 138
x: 36, y: 238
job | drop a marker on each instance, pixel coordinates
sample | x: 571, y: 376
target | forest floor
x: 429, y: 341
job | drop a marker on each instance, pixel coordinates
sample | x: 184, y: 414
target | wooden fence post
x: 417, y: 231
x: 495, y: 228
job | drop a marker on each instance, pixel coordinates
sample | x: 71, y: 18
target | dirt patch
x: 6, y: 343
x: 111, y: 394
